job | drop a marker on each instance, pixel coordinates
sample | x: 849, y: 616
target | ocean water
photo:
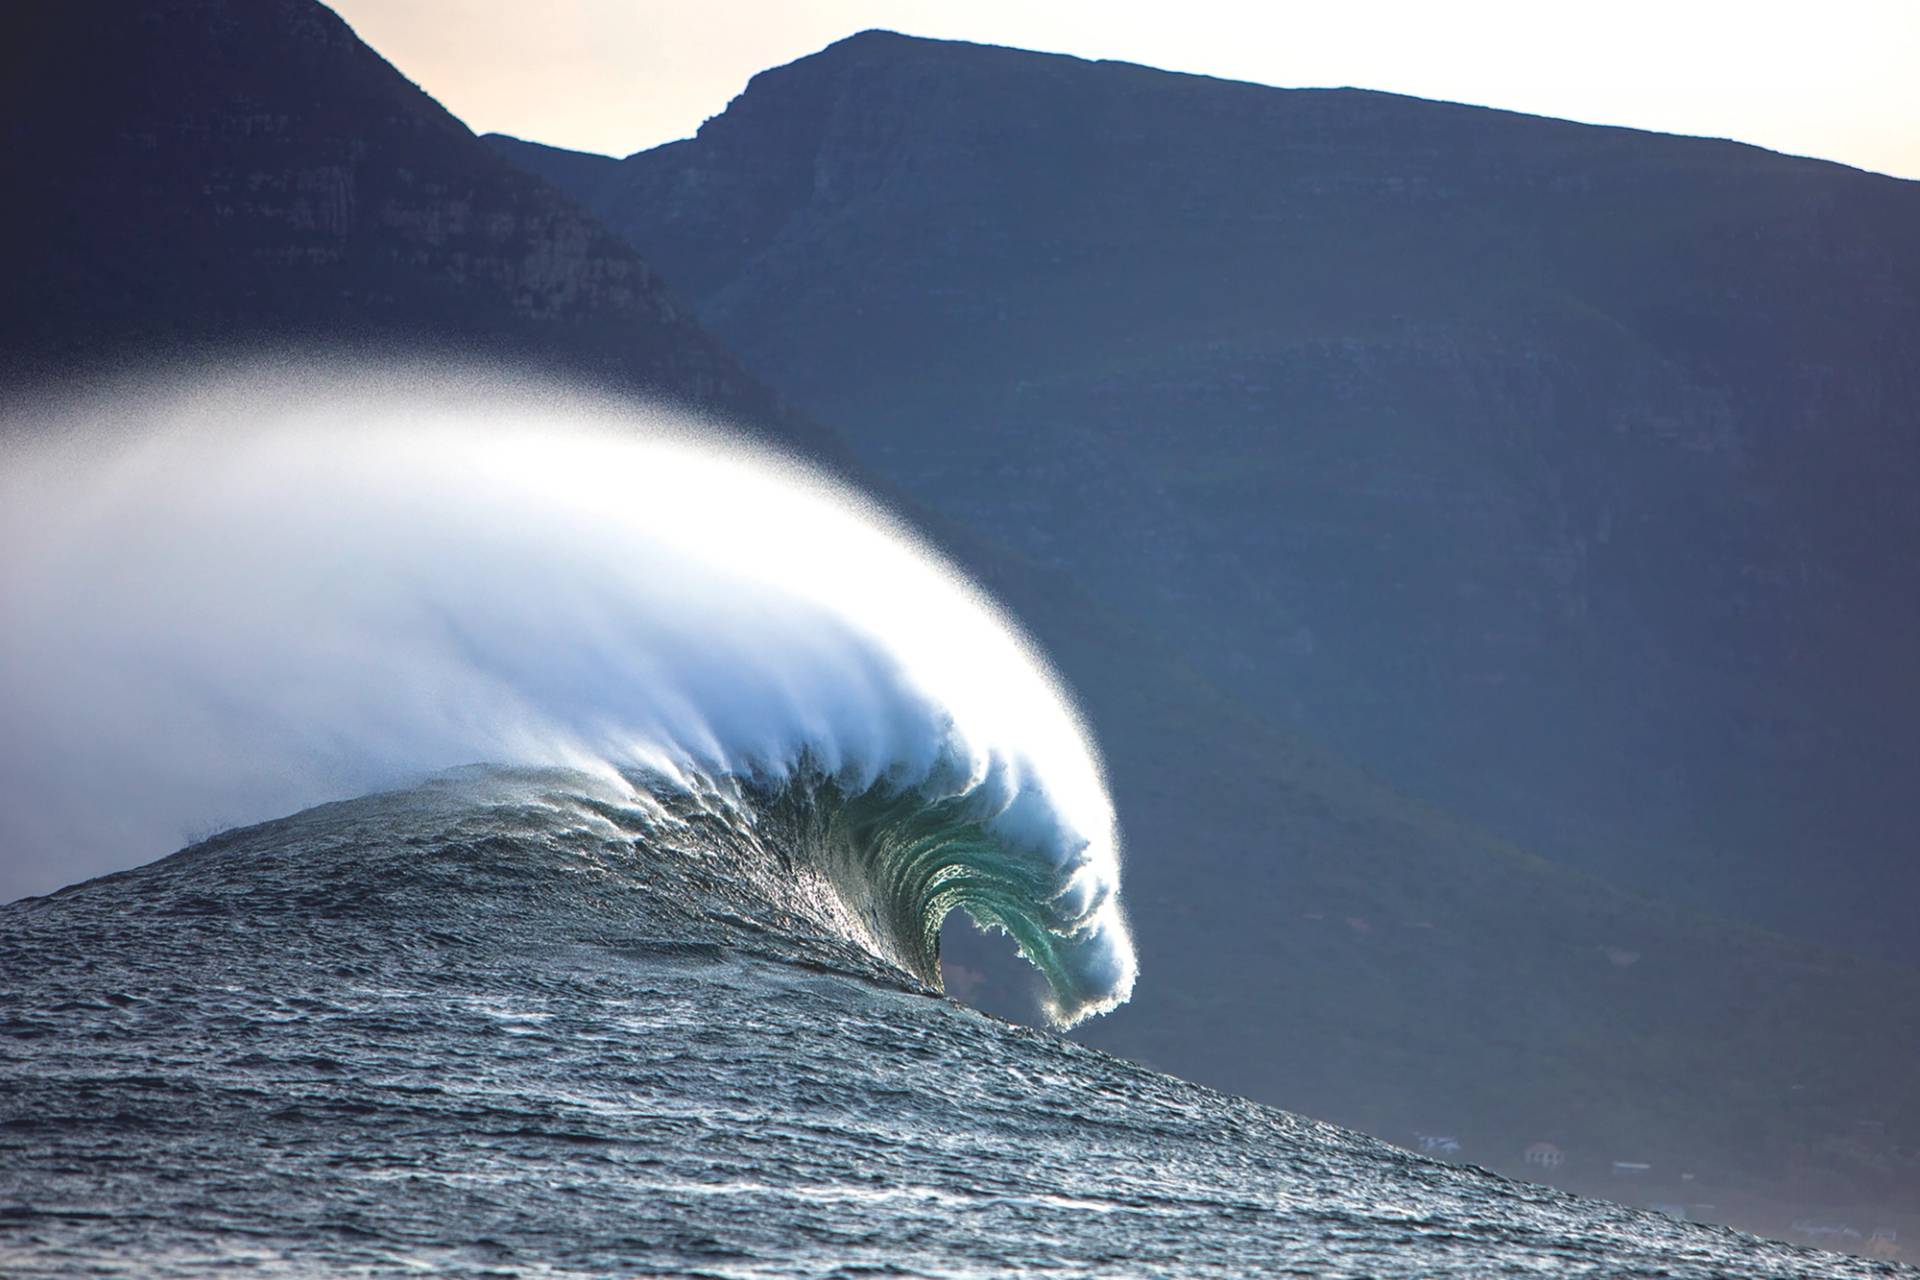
x: 656, y: 990
x: 512, y: 1023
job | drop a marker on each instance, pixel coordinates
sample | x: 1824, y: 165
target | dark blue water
x: 494, y: 1027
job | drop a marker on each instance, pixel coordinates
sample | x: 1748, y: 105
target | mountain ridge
x: 875, y: 36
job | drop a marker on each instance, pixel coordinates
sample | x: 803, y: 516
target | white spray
x: 232, y: 600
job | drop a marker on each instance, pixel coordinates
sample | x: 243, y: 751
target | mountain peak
x: 250, y: 174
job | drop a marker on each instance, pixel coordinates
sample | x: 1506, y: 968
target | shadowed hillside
x: 208, y: 175
x: 1561, y: 474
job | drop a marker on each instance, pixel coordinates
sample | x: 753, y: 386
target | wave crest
x: 903, y: 858
x: 258, y: 592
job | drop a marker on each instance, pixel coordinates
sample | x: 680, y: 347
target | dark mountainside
x: 1563, y: 475
x: 212, y: 175
x: 1309, y: 937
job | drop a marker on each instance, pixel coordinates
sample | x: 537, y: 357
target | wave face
x: 508, y: 1022
x: 240, y: 597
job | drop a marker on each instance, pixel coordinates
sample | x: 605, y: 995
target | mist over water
x: 230, y: 600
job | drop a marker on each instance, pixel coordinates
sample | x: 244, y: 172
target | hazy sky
x: 1832, y: 78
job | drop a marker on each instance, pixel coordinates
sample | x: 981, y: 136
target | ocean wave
x: 244, y: 595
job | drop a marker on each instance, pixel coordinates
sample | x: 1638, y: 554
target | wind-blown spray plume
x: 257, y: 594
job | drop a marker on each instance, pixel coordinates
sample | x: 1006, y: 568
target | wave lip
x: 257, y: 592
x: 903, y: 858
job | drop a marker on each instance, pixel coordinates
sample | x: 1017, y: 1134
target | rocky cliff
x: 242, y: 174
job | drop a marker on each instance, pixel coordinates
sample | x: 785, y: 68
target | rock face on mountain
x: 218, y: 174
x: 1564, y: 474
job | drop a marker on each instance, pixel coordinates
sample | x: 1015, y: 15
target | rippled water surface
x: 480, y: 1029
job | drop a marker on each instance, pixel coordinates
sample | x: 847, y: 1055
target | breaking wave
x: 240, y: 597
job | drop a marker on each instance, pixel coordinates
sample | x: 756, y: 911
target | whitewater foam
x: 236, y: 598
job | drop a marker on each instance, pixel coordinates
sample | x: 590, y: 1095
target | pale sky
x: 1838, y: 79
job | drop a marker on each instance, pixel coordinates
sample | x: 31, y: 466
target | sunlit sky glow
x: 1835, y: 79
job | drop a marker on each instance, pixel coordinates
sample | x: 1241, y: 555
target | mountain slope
x: 1311, y: 938
x: 217, y: 174
x: 1561, y: 474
